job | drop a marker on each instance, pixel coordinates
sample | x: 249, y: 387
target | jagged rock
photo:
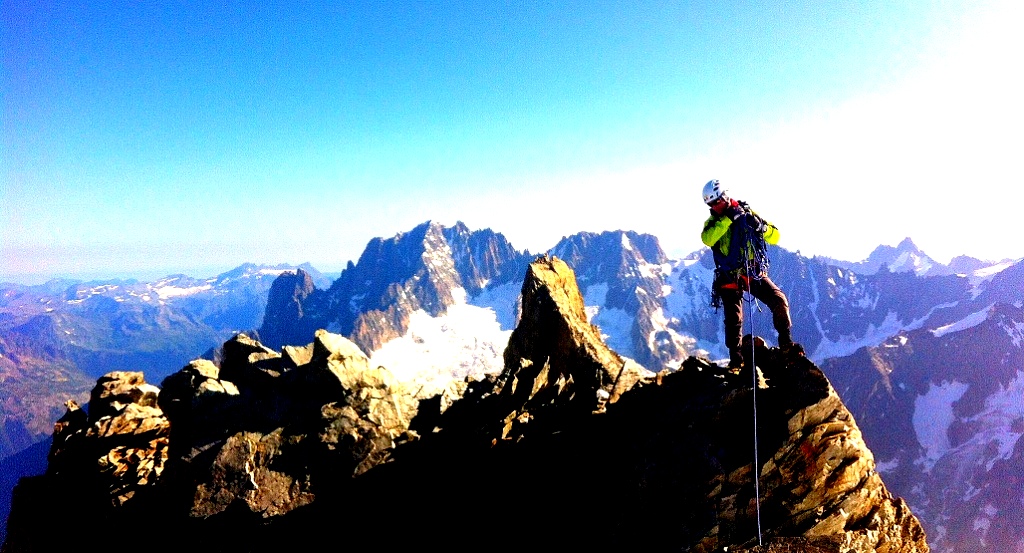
x: 116, y: 390
x: 483, y: 258
x: 555, y: 357
x: 375, y: 409
x: 200, y: 404
x: 261, y: 448
x: 73, y: 420
x: 241, y: 362
x: 295, y: 356
x: 424, y: 278
x: 371, y: 301
x: 121, y: 446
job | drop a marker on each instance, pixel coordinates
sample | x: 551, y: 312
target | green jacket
x: 717, y: 235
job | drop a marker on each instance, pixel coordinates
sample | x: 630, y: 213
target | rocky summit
x: 571, y: 446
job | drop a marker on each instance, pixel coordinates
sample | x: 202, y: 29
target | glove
x: 735, y: 211
x: 756, y: 223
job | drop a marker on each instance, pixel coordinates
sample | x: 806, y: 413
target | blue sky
x: 192, y: 137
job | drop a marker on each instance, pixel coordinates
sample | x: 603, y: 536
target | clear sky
x: 158, y: 137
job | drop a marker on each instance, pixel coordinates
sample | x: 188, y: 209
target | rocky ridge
x: 269, y: 445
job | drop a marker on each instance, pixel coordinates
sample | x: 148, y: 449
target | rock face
x: 555, y: 359
x: 567, y: 448
x: 288, y: 297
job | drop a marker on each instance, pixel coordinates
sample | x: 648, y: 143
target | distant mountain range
x: 57, y: 338
x: 437, y: 303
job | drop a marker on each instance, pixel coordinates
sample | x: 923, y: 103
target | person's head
x: 715, y: 196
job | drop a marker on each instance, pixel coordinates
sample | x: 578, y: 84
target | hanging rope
x: 755, y: 257
x: 757, y: 472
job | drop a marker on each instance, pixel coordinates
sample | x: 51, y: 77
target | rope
x: 757, y: 473
x: 762, y: 263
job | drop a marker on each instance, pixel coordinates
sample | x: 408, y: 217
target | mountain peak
x: 905, y: 257
x: 907, y: 245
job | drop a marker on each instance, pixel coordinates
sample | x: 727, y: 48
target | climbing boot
x: 789, y: 347
x: 735, y: 361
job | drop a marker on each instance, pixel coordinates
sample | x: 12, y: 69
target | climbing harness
x: 748, y: 251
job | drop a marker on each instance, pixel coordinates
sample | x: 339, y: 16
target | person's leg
x: 732, y: 304
x: 766, y: 291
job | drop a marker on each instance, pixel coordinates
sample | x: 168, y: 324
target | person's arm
x: 714, y: 228
x: 771, y: 233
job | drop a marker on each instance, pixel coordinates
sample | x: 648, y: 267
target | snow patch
x: 847, y: 344
x: 900, y: 341
x: 974, y: 319
x: 467, y: 341
x: 625, y: 243
x: 984, y: 522
x: 910, y: 261
x: 989, y: 272
x: 888, y: 466
x: 503, y: 300
x: 933, y: 414
x: 690, y: 290
x: 985, y: 274
x: 616, y: 326
x: 1002, y: 409
x: 1016, y: 332
x: 165, y: 292
x: 660, y: 323
x: 649, y: 270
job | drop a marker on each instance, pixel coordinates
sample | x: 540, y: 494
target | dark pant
x: 766, y: 291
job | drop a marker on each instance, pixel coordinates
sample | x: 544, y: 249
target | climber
x: 738, y: 238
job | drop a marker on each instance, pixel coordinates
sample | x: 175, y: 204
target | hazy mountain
x: 56, y: 338
x: 905, y: 257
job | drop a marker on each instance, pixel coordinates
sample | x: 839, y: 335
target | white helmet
x: 713, y: 190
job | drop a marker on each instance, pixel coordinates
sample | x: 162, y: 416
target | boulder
x: 121, y: 447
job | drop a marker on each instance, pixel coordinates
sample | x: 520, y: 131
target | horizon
x: 148, y: 138
x: 155, y: 274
